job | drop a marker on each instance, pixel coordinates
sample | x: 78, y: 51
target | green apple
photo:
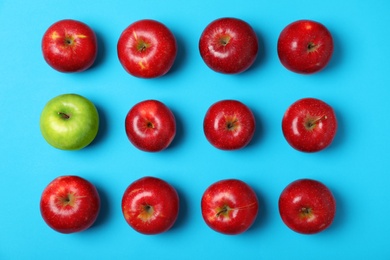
x: 69, y: 122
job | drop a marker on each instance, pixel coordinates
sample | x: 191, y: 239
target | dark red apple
x: 70, y: 204
x: 305, y: 46
x: 69, y: 46
x: 229, y: 125
x: 229, y: 206
x: 228, y: 45
x: 150, y: 126
x: 307, y: 206
x: 150, y: 205
x: 309, y: 125
x: 147, y: 49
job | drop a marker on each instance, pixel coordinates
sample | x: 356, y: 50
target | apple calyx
x: 312, y: 122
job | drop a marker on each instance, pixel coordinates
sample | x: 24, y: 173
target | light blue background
x: 355, y: 167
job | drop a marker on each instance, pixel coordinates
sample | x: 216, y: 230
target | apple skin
x: 69, y: 122
x: 305, y: 46
x: 307, y: 206
x: 229, y: 125
x: 69, y: 46
x: 150, y: 205
x: 150, y: 126
x: 309, y: 125
x: 147, y: 49
x: 229, y: 206
x: 70, y: 204
x: 228, y: 45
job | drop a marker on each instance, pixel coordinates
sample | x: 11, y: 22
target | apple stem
x: 312, y: 47
x: 224, y: 40
x: 63, y: 115
x: 69, y: 40
x: 310, y: 124
x: 306, y: 212
x: 68, y: 200
x: 223, y: 210
x: 231, y: 125
x: 148, y: 208
x: 149, y: 125
x: 142, y: 46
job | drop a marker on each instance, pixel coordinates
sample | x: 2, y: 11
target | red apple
x: 309, y: 125
x: 228, y: 45
x: 305, y: 46
x: 150, y: 126
x: 70, y: 204
x: 229, y: 125
x: 69, y: 46
x: 307, y: 206
x: 147, y: 49
x: 229, y: 206
x: 150, y: 205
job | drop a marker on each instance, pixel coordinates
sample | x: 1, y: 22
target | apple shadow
x: 261, y: 54
x: 104, y: 212
x: 183, y: 210
x: 262, y: 216
x: 180, y: 56
x: 179, y: 132
x: 101, y: 54
x: 102, y: 128
x: 337, y: 55
x: 340, y: 134
x: 340, y: 216
x: 258, y: 131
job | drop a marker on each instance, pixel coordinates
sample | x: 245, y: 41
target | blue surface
x: 355, y: 167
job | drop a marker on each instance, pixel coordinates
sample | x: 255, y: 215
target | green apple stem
x: 63, y: 115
